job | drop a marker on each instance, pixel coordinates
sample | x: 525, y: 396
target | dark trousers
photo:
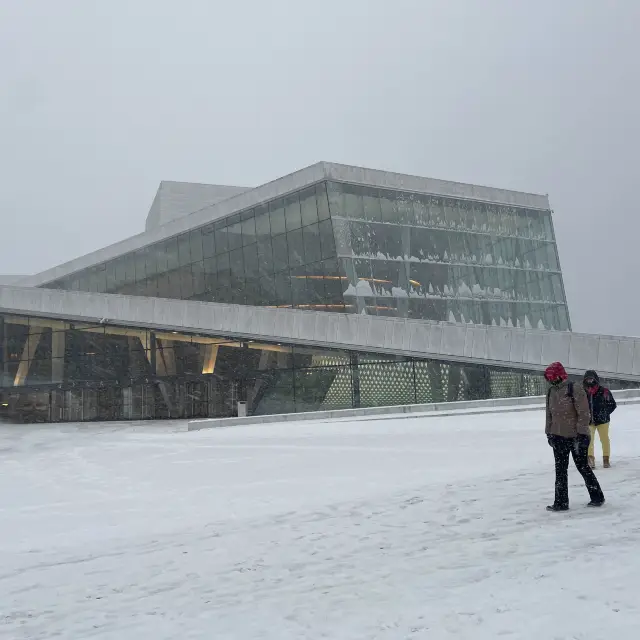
x: 578, y: 448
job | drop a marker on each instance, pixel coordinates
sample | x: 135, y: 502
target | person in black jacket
x: 601, y: 406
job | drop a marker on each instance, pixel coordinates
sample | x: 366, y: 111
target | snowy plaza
x: 389, y: 528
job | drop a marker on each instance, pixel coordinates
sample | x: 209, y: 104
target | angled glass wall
x: 53, y: 370
x: 445, y: 259
x: 279, y: 254
x: 350, y: 248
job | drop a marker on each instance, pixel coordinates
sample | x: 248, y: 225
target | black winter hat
x: 592, y: 374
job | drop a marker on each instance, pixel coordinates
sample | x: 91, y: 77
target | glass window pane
x: 556, y: 282
x: 296, y: 248
x: 481, y: 218
x: 119, y: 270
x: 140, y: 264
x: 183, y: 282
x: 208, y: 241
x: 97, y: 282
x: 223, y: 278
x: 342, y: 230
x: 283, y: 288
x: 111, y: 276
x: 265, y: 256
x: 371, y: 204
x: 312, y: 248
x: 522, y: 223
x: 547, y: 226
x: 280, y: 253
x: 546, y: 287
x: 327, y: 245
x: 250, y: 257
x: 210, y: 274
x: 334, y: 193
x: 315, y: 284
x: 292, y: 212
x: 197, y: 270
x: 129, y: 269
x: 387, y: 206
x: 552, y: 262
x: 221, y: 240
x: 352, y: 202
x: 563, y: 316
x: 248, y: 230
x: 263, y: 226
x: 195, y: 244
x: 238, y: 290
x: 299, y: 295
x: 237, y: 263
x: 323, y: 201
x: 536, y: 224
x: 234, y: 236
x: 404, y: 209
x: 170, y: 248
x: 151, y: 261
x: 276, y: 217
x: 267, y: 291
x: 421, y: 210
x: 495, y: 222
x: 308, y: 206
x: 184, y: 250
x: 508, y: 221
x: 467, y: 220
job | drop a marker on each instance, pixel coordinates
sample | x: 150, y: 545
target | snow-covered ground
x: 393, y: 529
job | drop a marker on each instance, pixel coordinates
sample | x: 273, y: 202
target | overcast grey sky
x: 100, y: 100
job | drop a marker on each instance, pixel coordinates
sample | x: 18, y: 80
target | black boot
x: 556, y: 507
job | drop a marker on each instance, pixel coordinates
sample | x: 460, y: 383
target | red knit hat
x: 555, y: 371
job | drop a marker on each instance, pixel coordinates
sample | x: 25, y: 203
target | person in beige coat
x: 567, y: 429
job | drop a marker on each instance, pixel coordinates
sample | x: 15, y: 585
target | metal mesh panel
x: 386, y: 384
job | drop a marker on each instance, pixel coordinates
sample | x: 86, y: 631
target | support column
x: 153, y: 361
x: 26, y: 357
x: 210, y: 357
x: 265, y: 356
x: 57, y: 355
x: 242, y: 373
x: 165, y: 359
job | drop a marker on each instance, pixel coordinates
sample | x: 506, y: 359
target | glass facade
x: 53, y: 370
x: 445, y: 259
x: 279, y: 254
x: 351, y: 248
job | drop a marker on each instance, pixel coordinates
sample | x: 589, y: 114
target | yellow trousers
x: 603, y: 432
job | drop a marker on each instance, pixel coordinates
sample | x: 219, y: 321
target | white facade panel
x: 618, y: 357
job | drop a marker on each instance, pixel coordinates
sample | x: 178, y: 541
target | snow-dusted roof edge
x: 531, y: 349
x: 276, y: 188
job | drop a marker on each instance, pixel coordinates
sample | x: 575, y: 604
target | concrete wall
x: 469, y: 407
x: 517, y: 348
